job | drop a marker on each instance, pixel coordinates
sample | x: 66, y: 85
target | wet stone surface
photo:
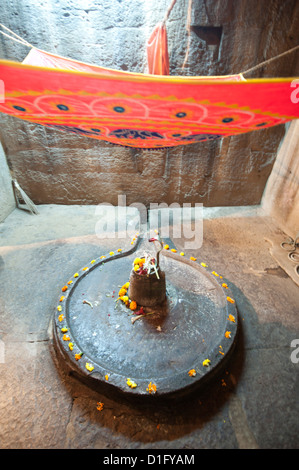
x: 161, y: 346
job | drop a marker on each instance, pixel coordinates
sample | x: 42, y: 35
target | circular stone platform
x: 104, y: 343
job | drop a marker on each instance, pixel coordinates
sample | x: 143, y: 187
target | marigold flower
x: 64, y: 330
x: 182, y: 253
x: 64, y: 288
x: 122, y: 292
x: 204, y: 265
x: 152, y: 388
x: 192, y: 258
x: 71, y: 346
x: 102, y: 257
x: 78, y: 356
x: 173, y: 250
x: 206, y: 362
x: 166, y: 247
x: 131, y: 384
x: 89, y: 366
x: 100, y: 406
x: 126, y: 285
x: 227, y: 334
x: 61, y: 317
x: 92, y: 261
x: 232, y: 318
x: 85, y: 269
x: 59, y: 308
x: 133, y: 305
x: 61, y: 298
x: 76, y: 274
x: 192, y: 372
x: 119, y: 250
x: 230, y: 300
x: 111, y: 253
x: 136, y: 267
x: 124, y: 298
x: 224, y: 285
x: 70, y: 282
x: 215, y: 274
x: 66, y: 338
x: 107, y: 376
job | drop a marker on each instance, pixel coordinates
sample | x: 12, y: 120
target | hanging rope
x: 17, y: 38
x: 169, y: 11
x: 270, y: 60
x: 188, y: 27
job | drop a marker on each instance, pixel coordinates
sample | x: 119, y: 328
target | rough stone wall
x: 228, y: 36
x: 7, y: 200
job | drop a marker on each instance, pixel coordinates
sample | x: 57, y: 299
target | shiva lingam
x: 147, y: 280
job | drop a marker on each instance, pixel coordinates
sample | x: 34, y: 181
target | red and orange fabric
x: 141, y: 110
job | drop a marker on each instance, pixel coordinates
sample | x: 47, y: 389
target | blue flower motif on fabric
x: 201, y: 137
x: 19, y: 108
x: 135, y: 134
x: 76, y: 130
x: 62, y: 107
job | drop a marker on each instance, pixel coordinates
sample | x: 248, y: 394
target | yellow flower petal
x: 152, y: 388
x: 206, y: 362
x: 131, y: 384
x: 100, y: 406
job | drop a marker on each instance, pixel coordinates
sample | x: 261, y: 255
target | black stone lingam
x: 149, y: 288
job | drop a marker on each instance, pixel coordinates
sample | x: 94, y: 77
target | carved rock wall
x: 227, y: 36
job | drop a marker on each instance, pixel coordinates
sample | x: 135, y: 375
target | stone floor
x: 253, y: 403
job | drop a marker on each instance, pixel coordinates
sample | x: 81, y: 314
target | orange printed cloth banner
x: 142, y: 110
